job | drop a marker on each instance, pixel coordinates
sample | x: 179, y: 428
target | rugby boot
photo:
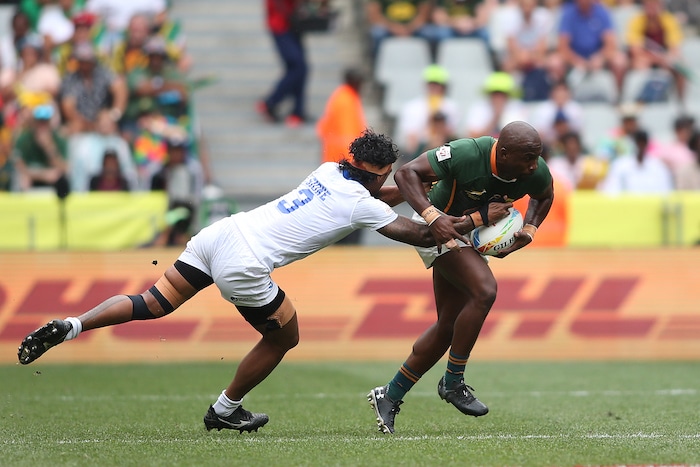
x: 460, y: 395
x: 240, y: 420
x: 384, y: 408
x: 38, y: 342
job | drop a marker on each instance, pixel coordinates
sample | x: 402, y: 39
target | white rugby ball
x: 491, y: 239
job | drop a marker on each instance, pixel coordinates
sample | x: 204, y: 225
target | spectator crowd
x: 95, y: 95
x: 550, y: 62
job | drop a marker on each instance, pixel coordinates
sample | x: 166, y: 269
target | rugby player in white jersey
x: 239, y: 253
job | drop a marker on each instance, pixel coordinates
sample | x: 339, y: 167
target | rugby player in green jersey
x: 472, y: 176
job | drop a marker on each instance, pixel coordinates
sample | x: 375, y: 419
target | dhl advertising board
x: 372, y: 303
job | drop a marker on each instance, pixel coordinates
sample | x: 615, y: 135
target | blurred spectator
x: 40, y: 152
x: 557, y: 115
x: 654, y: 39
x: 85, y: 151
x: 500, y: 107
x: 688, y: 175
x: 160, y: 84
x: 10, y: 45
x: 398, y: 18
x: 83, y: 32
x: 37, y: 81
x: 573, y: 167
x: 414, y: 120
x: 181, y: 177
x: 171, y: 31
x: 588, y: 40
x: 343, y: 119
x: 290, y: 48
x: 461, y: 18
x: 8, y: 180
x: 54, y: 23
x: 130, y: 52
x: 620, y: 140
x: 638, y: 173
x: 89, y: 91
x: 110, y: 178
x: 678, y: 152
x: 115, y: 14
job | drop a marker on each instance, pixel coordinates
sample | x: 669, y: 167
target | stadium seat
x: 468, y: 62
x: 596, y: 86
x: 497, y: 34
x: 398, y: 92
x: 657, y: 119
x: 398, y: 56
x: 621, y: 16
x: 691, y: 54
x: 636, y: 79
x: 598, y: 120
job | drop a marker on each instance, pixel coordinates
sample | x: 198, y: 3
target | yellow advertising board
x: 371, y: 303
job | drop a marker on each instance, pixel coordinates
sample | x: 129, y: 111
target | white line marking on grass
x: 355, y: 439
x: 305, y: 396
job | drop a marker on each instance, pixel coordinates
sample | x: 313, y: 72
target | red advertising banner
x: 371, y: 303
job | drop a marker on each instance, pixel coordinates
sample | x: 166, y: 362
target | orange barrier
x: 552, y: 304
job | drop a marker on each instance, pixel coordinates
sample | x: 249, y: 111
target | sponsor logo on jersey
x: 473, y: 194
x: 443, y: 153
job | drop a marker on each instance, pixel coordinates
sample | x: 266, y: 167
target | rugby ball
x: 490, y: 239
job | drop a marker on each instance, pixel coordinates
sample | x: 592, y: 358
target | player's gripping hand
x: 521, y: 239
x: 445, y: 233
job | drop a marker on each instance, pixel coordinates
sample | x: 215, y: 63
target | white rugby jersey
x: 324, y: 208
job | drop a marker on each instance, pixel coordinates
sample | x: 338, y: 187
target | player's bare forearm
x: 404, y: 230
x: 391, y: 195
x: 539, y: 207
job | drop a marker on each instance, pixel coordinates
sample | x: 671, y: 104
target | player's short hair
x: 371, y: 148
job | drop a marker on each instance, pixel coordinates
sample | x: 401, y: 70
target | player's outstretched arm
x: 404, y: 230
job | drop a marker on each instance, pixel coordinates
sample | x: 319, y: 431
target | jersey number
x: 285, y: 206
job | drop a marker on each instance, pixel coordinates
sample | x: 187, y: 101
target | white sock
x: 77, y: 328
x: 225, y: 406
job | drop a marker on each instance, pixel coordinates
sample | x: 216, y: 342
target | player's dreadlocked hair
x: 372, y: 148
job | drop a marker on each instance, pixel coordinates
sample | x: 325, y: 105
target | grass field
x: 542, y: 414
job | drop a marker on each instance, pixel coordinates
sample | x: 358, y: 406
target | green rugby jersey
x: 464, y: 167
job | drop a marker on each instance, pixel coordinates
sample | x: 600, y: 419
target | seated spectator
x: 398, y: 18
x: 89, y: 91
x: 86, y: 150
x: 171, y: 31
x: 37, y: 81
x: 129, y: 53
x: 588, y: 40
x: 688, y: 175
x: 638, y: 173
x: 10, y: 44
x: 41, y: 153
x: 557, y: 115
x: 500, y: 107
x: 619, y: 142
x: 577, y: 170
x: 115, y: 14
x: 8, y: 180
x: 528, y: 50
x: 181, y: 177
x: 343, y: 119
x: 461, y: 18
x: 110, y: 178
x: 159, y: 83
x: 83, y: 32
x: 414, y: 119
x: 54, y: 23
x: 677, y: 153
x: 654, y: 39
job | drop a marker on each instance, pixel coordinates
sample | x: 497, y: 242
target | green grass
x: 542, y: 414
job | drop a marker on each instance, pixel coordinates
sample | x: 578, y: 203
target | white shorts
x: 430, y: 254
x: 220, y: 251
